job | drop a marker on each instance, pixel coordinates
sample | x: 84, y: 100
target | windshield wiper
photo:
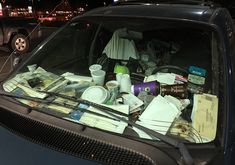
x: 166, y: 139
x: 50, y: 102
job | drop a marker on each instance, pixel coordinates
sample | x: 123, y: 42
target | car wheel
x: 20, y: 43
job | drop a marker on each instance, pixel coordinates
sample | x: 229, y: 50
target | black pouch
x: 106, y: 63
x: 134, y: 66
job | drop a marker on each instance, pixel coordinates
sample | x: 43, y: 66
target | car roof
x: 175, y: 11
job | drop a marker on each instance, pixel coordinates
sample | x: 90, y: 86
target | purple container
x: 152, y: 88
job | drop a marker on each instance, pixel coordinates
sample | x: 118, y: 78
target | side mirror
x: 9, y: 64
x: 16, y: 59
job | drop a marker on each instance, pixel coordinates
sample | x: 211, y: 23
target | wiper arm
x: 85, y: 102
x: 166, y: 139
x: 36, y: 99
x: 50, y: 102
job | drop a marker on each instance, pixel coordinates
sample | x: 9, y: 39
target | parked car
x: 18, y: 33
x: 132, y: 83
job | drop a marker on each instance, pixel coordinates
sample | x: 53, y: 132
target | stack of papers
x: 158, y: 116
x: 204, y: 116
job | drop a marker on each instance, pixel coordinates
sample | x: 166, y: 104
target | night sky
x: 50, y: 4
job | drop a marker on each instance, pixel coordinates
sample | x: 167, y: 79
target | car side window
x: 70, y: 47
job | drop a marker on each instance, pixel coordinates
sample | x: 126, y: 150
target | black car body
x: 198, y: 35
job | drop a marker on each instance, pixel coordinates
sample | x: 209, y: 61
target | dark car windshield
x: 155, y: 73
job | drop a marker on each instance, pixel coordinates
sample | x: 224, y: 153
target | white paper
x: 103, y: 123
x: 133, y: 101
x: 76, y: 78
x: 31, y: 92
x: 158, y: 116
x: 164, y: 78
x: 179, y: 103
x: 120, y: 48
x: 160, y: 109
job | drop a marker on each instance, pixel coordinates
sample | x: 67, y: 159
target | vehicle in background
x: 132, y: 83
x: 18, y: 33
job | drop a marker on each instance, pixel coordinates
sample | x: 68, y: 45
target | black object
x: 134, y: 66
x: 35, y: 82
x: 136, y: 78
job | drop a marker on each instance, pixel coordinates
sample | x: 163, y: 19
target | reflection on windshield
x: 159, y: 78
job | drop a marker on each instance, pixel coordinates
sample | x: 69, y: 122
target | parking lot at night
x: 132, y: 82
x: 5, y: 52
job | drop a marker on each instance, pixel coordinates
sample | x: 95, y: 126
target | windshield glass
x: 155, y: 73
